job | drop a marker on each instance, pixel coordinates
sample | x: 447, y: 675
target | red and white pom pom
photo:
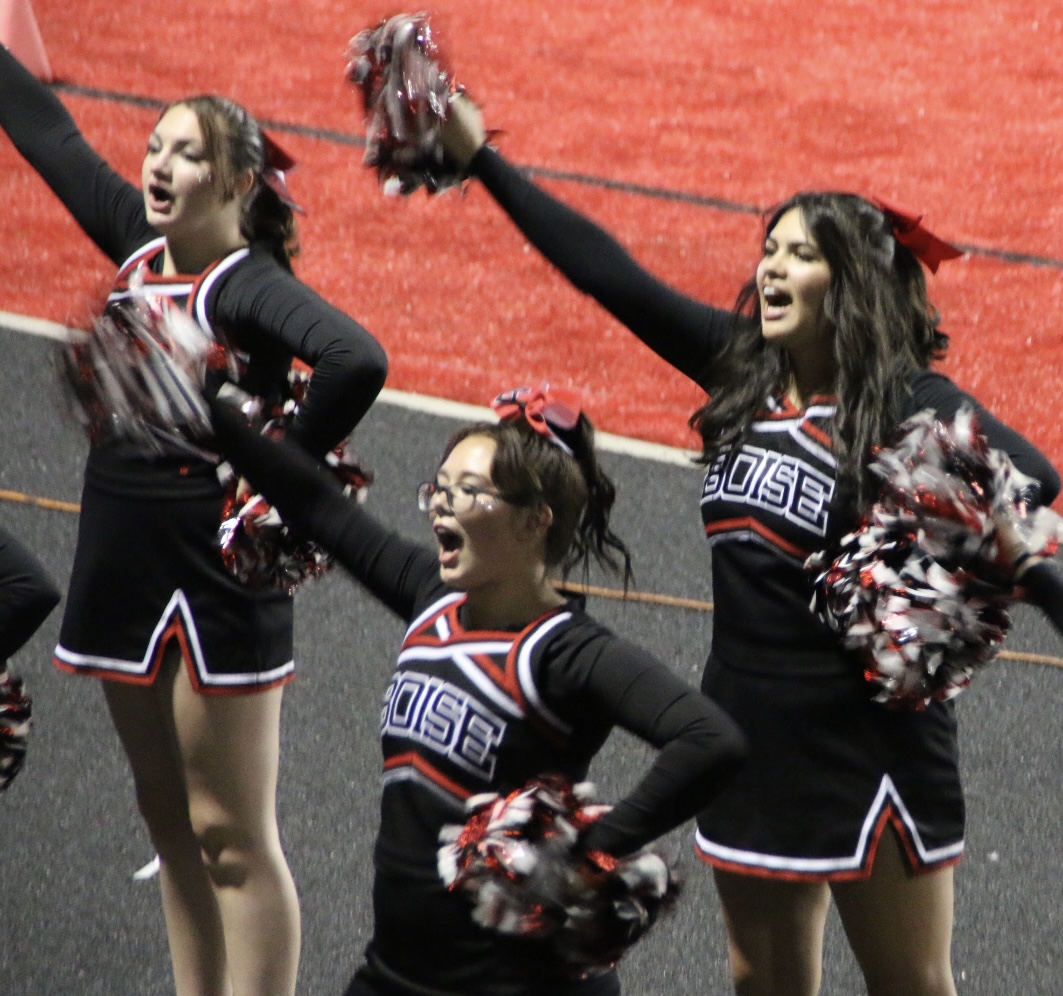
x: 922, y: 588
x: 405, y: 89
x: 519, y: 860
x: 256, y: 546
x: 139, y: 373
x: 16, y: 709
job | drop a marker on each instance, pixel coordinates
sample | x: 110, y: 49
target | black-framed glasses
x: 460, y: 498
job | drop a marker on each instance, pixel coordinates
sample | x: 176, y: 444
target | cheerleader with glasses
x: 500, y: 679
x: 193, y: 661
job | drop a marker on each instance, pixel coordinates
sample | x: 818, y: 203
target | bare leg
x: 774, y: 933
x: 230, y: 747
x: 143, y: 718
x: 899, y: 925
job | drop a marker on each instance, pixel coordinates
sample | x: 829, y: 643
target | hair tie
x: 278, y: 162
x: 548, y: 410
x: 909, y: 231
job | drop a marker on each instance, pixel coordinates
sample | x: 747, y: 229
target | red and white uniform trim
x: 887, y: 808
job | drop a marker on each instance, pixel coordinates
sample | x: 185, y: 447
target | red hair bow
x: 278, y: 162
x: 909, y: 231
x: 548, y: 410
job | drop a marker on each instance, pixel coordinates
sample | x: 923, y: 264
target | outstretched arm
x: 683, y: 331
x: 309, y: 500
x: 108, y: 208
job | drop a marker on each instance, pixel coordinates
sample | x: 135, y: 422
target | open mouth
x: 450, y: 543
x: 775, y: 296
x: 775, y: 301
x: 159, y: 197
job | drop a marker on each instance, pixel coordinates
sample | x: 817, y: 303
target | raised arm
x: 391, y: 568
x: 699, y: 744
x: 683, y: 331
x: 108, y: 208
x: 349, y: 364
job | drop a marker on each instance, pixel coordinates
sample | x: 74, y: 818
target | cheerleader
x: 500, y: 679
x: 827, y: 351
x: 193, y: 662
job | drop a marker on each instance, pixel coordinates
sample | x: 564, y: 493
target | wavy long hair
x: 884, y: 329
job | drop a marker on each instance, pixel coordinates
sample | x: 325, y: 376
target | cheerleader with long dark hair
x: 828, y: 350
x: 194, y: 661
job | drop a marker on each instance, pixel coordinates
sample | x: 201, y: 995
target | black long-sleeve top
x: 771, y: 506
x: 1043, y: 586
x: 683, y: 331
x: 585, y: 675
x: 473, y: 711
x: 261, y: 308
x: 27, y: 595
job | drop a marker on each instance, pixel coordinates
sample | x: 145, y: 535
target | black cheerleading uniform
x: 829, y: 768
x: 146, y: 569
x: 471, y: 711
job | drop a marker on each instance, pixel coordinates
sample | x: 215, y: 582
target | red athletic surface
x: 951, y: 106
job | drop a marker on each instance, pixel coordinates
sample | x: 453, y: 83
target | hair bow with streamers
x: 278, y: 162
x: 548, y: 410
x: 909, y: 231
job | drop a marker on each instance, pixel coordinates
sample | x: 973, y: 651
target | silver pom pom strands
x: 519, y: 860
x: 15, y: 711
x: 921, y: 589
x: 405, y: 90
x: 139, y: 374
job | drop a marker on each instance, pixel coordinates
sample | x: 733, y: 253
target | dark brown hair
x: 232, y: 141
x: 884, y: 329
x: 529, y: 469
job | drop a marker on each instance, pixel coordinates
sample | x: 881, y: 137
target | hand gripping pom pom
x: 138, y: 374
x: 520, y: 862
x: 405, y: 92
x: 921, y: 589
x: 256, y: 546
x: 16, y: 708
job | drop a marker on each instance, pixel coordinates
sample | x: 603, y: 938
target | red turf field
x: 950, y: 105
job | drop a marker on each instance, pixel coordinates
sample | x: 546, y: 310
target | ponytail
x: 266, y: 219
